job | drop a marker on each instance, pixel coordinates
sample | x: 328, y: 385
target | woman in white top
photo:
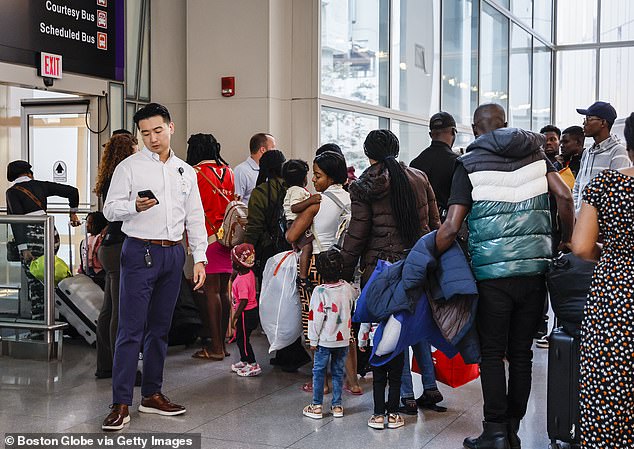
x: 325, y: 216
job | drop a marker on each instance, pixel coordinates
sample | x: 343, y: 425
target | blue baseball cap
x: 602, y: 110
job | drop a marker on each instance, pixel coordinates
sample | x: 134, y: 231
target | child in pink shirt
x: 246, y: 317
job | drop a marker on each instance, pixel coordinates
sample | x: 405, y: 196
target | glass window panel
x: 130, y: 110
x: 576, y: 85
x: 494, y: 62
x: 543, y: 18
x: 617, y: 20
x: 116, y: 106
x: 416, y: 68
x: 504, y: 3
x: 132, y: 28
x: 459, y: 59
x: 520, y: 79
x: 523, y: 10
x: 542, y: 60
x: 144, y: 88
x: 462, y: 142
x: 615, y: 86
x: 354, y: 52
x: 349, y: 130
x: 413, y: 139
x: 576, y: 21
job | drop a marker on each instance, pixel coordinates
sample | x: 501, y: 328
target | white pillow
x: 389, y: 339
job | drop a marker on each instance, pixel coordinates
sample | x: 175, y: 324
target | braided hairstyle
x: 270, y: 166
x: 329, y: 265
x: 382, y: 145
x: 628, y: 132
x: 203, y: 147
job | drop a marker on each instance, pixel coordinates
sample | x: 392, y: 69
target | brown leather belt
x: 163, y: 243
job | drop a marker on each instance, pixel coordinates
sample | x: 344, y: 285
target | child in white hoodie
x: 329, y: 323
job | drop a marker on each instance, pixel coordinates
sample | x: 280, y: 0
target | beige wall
x: 168, y: 66
x: 269, y: 47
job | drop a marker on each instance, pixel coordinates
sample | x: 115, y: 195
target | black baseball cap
x: 602, y: 110
x: 441, y: 120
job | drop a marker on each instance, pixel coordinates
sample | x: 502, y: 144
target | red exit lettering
x: 51, y: 65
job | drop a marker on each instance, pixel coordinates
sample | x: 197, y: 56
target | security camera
x: 48, y: 82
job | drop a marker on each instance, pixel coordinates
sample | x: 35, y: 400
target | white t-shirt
x: 326, y: 222
x: 294, y: 195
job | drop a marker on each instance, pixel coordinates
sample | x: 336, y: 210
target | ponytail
x: 382, y: 145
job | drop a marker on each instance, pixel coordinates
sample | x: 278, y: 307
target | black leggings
x: 247, y: 322
x: 392, y: 372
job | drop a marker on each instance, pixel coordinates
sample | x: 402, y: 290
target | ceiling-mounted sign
x: 88, y: 34
x: 50, y: 65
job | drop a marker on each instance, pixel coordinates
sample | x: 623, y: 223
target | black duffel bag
x: 568, y: 280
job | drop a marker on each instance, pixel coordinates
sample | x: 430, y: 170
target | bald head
x: 488, y: 117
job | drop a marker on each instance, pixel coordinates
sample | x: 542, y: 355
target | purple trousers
x: 147, y: 297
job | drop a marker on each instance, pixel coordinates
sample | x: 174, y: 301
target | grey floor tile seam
x: 330, y: 421
x: 458, y: 416
x: 243, y: 405
x: 239, y: 441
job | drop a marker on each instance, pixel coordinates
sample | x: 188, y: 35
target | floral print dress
x: 607, y: 339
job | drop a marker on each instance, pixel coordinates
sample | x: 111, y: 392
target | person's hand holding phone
x: 145, y: 200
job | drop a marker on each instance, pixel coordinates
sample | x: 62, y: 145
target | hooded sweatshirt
x: 608, y: 154
x: 509, y: 221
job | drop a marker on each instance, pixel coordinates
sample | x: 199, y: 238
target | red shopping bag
x: 453, y: 372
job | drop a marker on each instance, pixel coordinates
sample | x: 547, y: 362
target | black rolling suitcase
x: 562, y: 413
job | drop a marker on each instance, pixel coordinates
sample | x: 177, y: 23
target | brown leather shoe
x: 160, y: 405
x: 117, y: 418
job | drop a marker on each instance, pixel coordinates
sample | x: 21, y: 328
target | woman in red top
x: 216, y: 185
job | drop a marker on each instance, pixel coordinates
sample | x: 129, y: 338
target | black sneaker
x: 409, y: 406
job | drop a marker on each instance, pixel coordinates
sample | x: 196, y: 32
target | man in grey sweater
x: 606, y: 153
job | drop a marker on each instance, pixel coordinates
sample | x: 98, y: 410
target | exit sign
x: 50, y: 65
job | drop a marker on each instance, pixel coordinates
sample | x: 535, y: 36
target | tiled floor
x: 231, y: 412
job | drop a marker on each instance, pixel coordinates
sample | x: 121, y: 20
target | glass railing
x: 27, y: 288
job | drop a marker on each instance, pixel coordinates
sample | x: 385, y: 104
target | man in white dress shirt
x: 246, y: 173
x: 152, y: 259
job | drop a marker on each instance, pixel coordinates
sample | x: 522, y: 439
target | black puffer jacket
x: 372, y: 233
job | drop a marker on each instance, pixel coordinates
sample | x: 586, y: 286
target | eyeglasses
x: 589, y: 119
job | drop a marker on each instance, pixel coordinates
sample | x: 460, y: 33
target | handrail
x: 49, y: 263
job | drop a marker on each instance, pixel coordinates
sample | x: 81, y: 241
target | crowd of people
x: 512, y: 202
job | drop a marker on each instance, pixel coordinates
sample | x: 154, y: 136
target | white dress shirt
x: 175, y: 186
x: 246, y: 175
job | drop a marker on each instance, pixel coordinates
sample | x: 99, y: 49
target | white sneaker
x: 235, y: 367
x: 252, y: 369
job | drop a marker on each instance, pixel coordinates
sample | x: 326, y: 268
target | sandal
x: 206, y: 355
x: 376, y: 422
x: 358, y: 392
x: 313, y: 411
x: 394, y: 421
x: 307, y: 387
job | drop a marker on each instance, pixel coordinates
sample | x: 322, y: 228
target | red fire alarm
x: 228, y: 86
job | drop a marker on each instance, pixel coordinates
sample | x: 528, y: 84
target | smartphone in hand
x: 148, y: 194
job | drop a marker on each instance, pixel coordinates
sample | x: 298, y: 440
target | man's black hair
x: 551, y: 129
x: 294, y: 172
x: 152, y: 110
x: 329, y: 265
x: 329, y: 147
x: 575, y: 131
x: 334, y: 165
x: 258, y: 141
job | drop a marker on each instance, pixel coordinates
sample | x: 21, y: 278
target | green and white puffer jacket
x: 509, y: 221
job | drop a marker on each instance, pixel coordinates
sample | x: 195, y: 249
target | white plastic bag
x: 280, y: 307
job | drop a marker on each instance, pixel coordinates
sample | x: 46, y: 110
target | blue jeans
x: 422, y: 354
x: 337, y: 365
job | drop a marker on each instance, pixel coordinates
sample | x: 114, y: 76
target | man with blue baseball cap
x: 606, y: 153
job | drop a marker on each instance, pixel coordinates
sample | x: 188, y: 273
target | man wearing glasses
x: 607, y: 151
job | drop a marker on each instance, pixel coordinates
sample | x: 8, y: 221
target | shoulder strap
x: 337, y: 201
x: 199, y: 170
x: 28, y: 193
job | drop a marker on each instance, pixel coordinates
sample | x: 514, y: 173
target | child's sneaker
x: 252, y: 369
x: 313, y: 411
x: 337, y: 411
x: 377, y: 422
x: 235, y: 367
x: 394, y: 421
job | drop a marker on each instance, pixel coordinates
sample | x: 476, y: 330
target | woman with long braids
x: 216, y: 185
x: 120, y: 146
x: 392, y: 207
